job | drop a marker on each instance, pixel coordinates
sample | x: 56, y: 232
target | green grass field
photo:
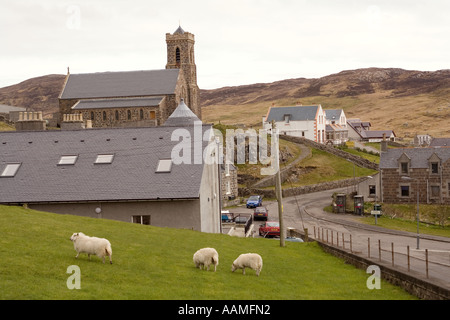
x: 156, y: 263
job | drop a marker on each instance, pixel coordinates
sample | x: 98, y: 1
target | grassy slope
x: 156, y: 263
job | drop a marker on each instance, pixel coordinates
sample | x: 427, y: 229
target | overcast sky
x: 237, y: 41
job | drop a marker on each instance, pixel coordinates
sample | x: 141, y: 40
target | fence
x: 404, y: 266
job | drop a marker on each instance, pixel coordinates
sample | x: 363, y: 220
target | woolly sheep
x: 248, y: 260
x: 205, y: 257
x: 91, y: 245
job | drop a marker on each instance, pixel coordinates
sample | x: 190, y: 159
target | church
x: 136, y: 98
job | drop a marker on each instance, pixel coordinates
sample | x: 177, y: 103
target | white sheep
x: 248, y: 260
x: 203, y: 258
x: 91, y: 245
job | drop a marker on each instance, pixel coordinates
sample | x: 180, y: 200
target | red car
x: 270, y: 228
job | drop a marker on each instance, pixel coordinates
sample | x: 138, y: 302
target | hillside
x: 408, y: 102
x: 38, y: 94
x: 156, y: 263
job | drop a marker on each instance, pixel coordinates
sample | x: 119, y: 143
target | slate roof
x: 7, y: 109
x: 300, y: 113
x: 181, y: 117
x: 419, y: 156
x: 131, y: 175
x: 442, y: 142
x: 117, y: 103
x: 333, y: 114
x: 120, y: 84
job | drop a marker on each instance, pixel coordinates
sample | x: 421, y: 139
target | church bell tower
x: 180, y: 55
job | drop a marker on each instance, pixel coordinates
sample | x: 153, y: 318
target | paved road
x: 305, y: 211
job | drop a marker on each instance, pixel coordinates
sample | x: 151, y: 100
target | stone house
x: 300, y: 121
x: 360, y: 131
x: 125, y: 174
x: 136, y: 98
x: 406, y: 172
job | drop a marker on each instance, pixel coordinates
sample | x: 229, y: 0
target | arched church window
x: 141, y: 114
x: 92, y: 115
x: 117, y: 115
x: 129, y: 115
x: 104, y: 115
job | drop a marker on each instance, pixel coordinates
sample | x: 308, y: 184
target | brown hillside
x: 37, y: 94
x: 408, y: 102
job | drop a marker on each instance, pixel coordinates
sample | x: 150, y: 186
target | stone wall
x: 361, y: 162
x: 289, y: 192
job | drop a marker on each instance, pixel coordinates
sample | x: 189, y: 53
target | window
x: 141, y: 220
x: 164, y: 165
x: 434, y: 167
x: 178, y: 56
x: 117, y: 115
x: 67, y: 160
x: 141, y: 114
x: 404, y: 167
x: 435, y: 191
x: 287, y: 118
x: 129, y: 114
x: 104, y: 115
x: 92, y: 116
x: 10, y: 170
x: 104, y: 158
x: 404, y: 191
x: 372, y: 190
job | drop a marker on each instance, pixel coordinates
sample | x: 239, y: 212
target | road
x: 306, y: 211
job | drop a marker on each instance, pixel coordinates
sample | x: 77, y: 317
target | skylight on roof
x: 104, y: 158
x: 67, y: 160
x: 10, y: 170
x: 164, y: 165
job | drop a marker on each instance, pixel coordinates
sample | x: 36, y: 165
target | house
x: 336, y: 127
x: 135, y: 98
x: 125, y: 174
x: 408, y: 173
x: 360, y: 131
x: 299, y: 121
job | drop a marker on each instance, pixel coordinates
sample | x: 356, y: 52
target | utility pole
x: 278, y: 187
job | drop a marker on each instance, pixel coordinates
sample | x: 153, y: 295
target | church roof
x: 117, y: 103
x: 120, y: 84
x: 181, y: 117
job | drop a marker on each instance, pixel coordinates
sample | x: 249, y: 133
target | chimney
x: 72, y: 121
x: 31, y: 121
x: 384, y: 144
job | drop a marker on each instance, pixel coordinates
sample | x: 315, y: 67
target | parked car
x: 269, y: 228
x: 260, y: 213
x: 254, y: 201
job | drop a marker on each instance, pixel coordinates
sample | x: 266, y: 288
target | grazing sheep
x: 205, y: 257
x: 248, y: 260
x: 91, y: 245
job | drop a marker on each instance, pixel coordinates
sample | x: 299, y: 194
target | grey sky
x: 237, y: 41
